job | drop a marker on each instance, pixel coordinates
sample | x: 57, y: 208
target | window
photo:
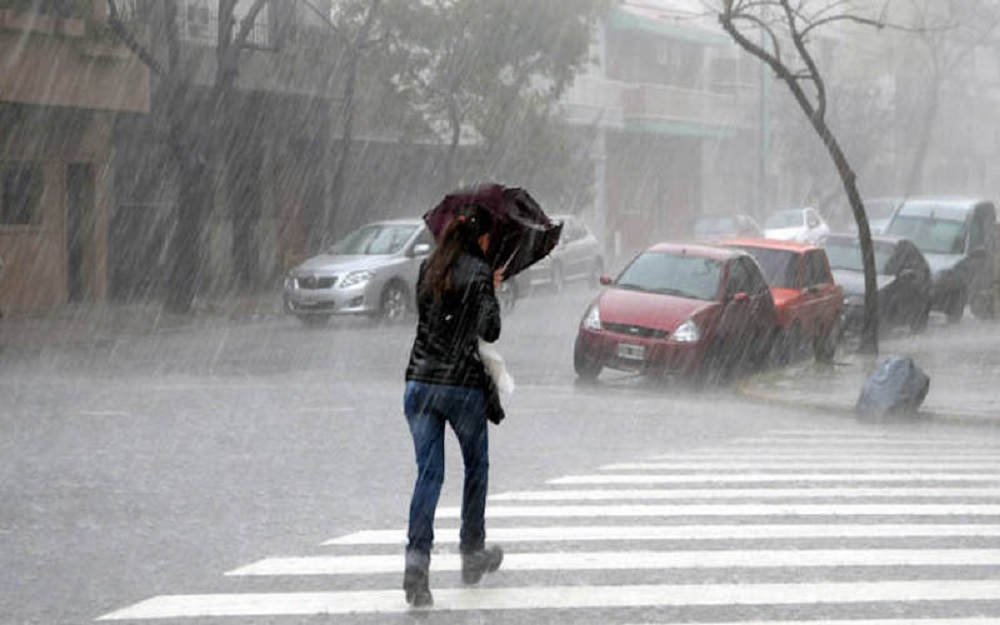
x: 673, y: 274
x: 20, y: 192
x: 739, y: 278
x: 815, y: 270
x: 756, y: 282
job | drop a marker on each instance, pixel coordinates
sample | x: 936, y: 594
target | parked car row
x: 705, y: 308
x: 373, y: 271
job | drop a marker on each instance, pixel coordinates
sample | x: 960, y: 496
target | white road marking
x: 578, y: 533
x: 975, y: 620
x: 636, y: 560
x: 798, y: 454
x: 814, y: 465
x: 854, y: 442
x: 559, y: 597
x: 745, y: 493
x: 824, y: 435
x: 732, y: 510
x: 758, y: 476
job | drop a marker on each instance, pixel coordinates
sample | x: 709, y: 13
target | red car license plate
x: 631, y: 352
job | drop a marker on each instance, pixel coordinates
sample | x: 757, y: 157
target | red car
x: 808, y: 300
x: 679, y: 309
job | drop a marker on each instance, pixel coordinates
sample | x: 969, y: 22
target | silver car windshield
x: 374, y: 240
x: 932, y: 236
x: 673, y: 274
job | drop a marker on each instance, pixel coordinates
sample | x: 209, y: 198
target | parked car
x: 903, y: 279
x: 804, y: 225
x: 713, y: 227
x: 691, y: 310
x: 372, y: 271
x: 577, y: 257
x: 807, y: 299
x: 879, y: 211
x: 958, y: 238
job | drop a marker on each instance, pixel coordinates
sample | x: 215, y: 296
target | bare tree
x: 195, y: 128
x: 355, y: 40
x: 788, y: 28
x: 947, y: 33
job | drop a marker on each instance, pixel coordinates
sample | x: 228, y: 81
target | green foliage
x: 496, y: 69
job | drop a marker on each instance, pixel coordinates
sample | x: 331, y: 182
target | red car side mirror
x: 605, y: 281
x: 741, y: 297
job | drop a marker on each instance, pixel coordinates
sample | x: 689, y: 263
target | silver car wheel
x: 394, y: 303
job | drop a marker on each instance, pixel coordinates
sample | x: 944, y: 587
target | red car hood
x: 650, y: 310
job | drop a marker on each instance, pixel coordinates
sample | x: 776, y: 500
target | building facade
x: 675, y: 106
x: 64, y: 83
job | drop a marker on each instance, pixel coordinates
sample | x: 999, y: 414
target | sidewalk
x: 962, y: 361
x: 91, y: 324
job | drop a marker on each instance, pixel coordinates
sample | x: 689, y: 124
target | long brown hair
x: 461, y: 234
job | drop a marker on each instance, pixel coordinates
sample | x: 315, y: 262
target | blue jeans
x: 428, y: 407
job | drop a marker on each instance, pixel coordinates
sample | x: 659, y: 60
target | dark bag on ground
x: 896, y: 388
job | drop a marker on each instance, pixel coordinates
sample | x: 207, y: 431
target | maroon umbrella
x: 522, y: 233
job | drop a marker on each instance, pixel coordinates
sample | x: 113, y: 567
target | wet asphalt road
x: 152, y: 464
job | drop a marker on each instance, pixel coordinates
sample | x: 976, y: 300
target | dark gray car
x: 903, y: 278
x: 958, y: 238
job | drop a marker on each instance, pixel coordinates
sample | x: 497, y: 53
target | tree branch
x: 130, y: 41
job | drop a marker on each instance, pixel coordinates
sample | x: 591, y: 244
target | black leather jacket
x: 445, y: 350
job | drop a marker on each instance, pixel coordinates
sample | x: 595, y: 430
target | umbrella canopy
x: 522, y: 233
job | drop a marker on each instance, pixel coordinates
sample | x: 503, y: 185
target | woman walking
x: 445, y: 383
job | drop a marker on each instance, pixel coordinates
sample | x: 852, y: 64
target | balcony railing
x: 664, y: 103
x: 611, y: 101
x: 52, y: 8
x: 200, y: 25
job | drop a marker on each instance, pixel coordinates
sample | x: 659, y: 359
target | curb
x: 840, y: 409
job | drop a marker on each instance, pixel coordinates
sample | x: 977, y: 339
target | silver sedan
x: 372, y: 271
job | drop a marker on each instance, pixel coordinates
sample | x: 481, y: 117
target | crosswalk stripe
x: 744, y: 493
x: 636, y: 560
x: 909, y: 510
x: 759, y: 476
x: 853, y: 464
x: 973, y: 620
x: 577, y: 533
x: 559, y: 597
x: 854, y: 442
x: 827, y: 434
x: 797, y: 454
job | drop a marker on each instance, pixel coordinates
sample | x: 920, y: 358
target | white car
x: 802, y: 225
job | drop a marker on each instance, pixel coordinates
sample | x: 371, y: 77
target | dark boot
x: 476, y: 563
x: 416, y: 580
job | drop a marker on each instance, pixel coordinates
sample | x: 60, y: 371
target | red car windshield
x: 682, y: 275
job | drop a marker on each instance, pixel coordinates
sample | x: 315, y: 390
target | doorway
x: 79, y: 227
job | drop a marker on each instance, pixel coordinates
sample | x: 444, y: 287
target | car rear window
x: 682, y: 275
x: 780, y: 267
x: 846, y: 254
x: 784, y: 219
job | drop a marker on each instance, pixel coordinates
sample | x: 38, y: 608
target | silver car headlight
x: 687, y: 332
x: 356, y: 278
x: 592, y: 320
